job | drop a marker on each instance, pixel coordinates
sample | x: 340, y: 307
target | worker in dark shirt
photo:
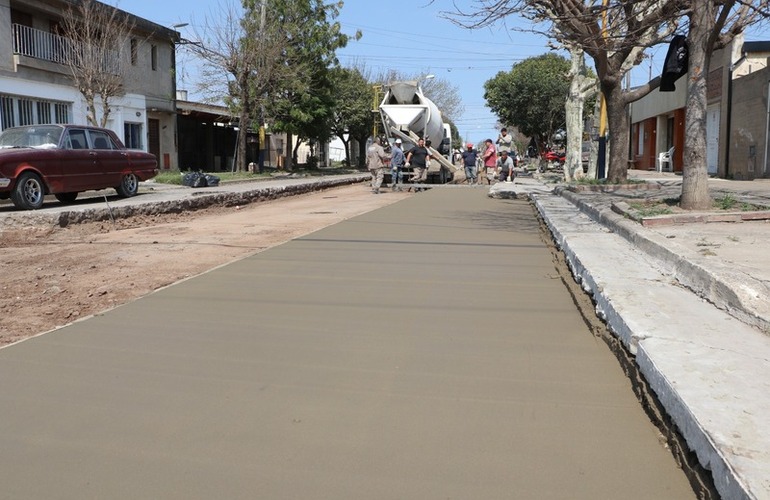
x: 418, y: 158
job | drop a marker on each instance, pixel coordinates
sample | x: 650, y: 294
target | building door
x: 153, y: 138
x: 712, y: 138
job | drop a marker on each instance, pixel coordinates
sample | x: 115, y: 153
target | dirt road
x: 54, y: 276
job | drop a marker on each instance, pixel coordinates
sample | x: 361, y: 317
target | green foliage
x: 531, y: 96
x: 175, y: 176
x: 647, y: 209
x: 725, y: 202
x: 303, y: 105
x: 457, y: 140
x: 311, y: 162
x: 353, y: 104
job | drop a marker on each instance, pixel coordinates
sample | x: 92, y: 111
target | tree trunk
x: 244, y: 120
x: 617, y: 120
x: 574, y: 116
x: 574, y: 113
x: 295, y: 153
x: 695, y: 192
x: 362, y: 153
x: 346, y: 145
x: 287, y: 164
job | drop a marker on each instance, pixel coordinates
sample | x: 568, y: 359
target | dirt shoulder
x: 54, y: 276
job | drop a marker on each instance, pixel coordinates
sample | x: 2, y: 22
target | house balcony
x: 50, y: 52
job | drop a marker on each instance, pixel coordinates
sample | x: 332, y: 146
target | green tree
x: 244, y: 62
x: 303, y: 105
x: 352, y: 112
x: 531, y: 95
x: 457, y: 140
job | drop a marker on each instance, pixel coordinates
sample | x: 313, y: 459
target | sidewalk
x: 692, y: 303
x: 157, y: 198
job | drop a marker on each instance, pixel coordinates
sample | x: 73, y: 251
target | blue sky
x: 409, y: 35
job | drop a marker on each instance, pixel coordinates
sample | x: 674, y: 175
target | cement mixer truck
x: 407, y: 114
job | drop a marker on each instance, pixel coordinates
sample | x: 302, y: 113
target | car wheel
x: 66, y: 197
x: 29, y: 192
x: 129, y: 186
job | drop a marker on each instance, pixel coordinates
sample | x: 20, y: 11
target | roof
x: 752, y: 47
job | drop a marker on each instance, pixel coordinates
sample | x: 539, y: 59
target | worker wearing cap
x: 397, y: 160
x: 469, y: 161
x: 490, y: 160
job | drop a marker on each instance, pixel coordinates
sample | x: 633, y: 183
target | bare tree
x: 252, y: 58
x: 442, y: 92
x: 243, y: 63
x: 582, y: 87
x: 613, y: 32
x: 93, y: 35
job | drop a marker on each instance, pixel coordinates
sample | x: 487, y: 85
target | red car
x: 64, y: 160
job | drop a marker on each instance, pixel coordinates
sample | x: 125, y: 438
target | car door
x: 110, y: 159
x: 78, y: 164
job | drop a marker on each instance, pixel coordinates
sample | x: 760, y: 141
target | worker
x: 375, y: 158
x: 505, y: 167
x: 396, y: 163
x: 469, y: 161
x: 490, y: 160
x: 504, y: 141
x: 418, y: 158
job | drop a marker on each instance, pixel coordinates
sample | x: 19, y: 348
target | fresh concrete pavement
x: 420, y: 351
x: 698, y: 321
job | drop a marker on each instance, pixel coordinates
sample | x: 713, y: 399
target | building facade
x: 737, y: 116
x: 36, y: 85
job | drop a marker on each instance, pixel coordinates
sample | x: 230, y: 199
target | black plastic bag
x: 195, y: 179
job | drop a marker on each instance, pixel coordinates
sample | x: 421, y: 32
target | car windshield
x: 39, y: 136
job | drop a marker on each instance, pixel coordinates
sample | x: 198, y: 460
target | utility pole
x: 602, y: 156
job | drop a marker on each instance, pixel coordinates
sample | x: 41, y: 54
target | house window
x: 132, y: 135
x: 61, y: 112
x: 43, y: 112
x: 133, y: 51
x: 26, y: 115
x: 154, y: 57
x: 7, y: 117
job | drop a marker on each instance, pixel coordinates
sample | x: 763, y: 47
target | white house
x: 36, y: 86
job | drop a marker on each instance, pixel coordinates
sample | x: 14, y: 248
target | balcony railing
x: 39, y: 44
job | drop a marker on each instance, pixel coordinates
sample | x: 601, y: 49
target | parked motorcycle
x: 552, y: 159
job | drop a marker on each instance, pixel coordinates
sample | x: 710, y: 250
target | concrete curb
x: 728, y: 288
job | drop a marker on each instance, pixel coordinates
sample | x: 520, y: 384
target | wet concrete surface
x: 424, y: 350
